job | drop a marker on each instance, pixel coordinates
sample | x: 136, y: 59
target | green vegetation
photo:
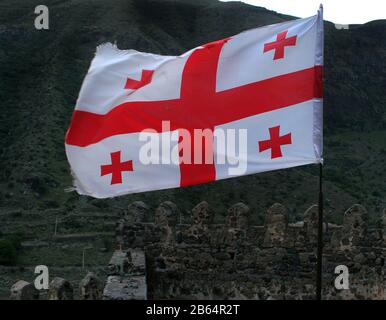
x: 8, y: 254
x: 41, y: 73
x: 9, y: 248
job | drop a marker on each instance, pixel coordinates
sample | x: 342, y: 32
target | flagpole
x: 320, y: 237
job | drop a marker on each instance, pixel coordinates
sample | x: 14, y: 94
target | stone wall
x: 127, y: 279
x: 237, y: 260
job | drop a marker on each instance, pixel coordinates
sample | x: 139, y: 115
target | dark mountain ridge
x: 42, y: 71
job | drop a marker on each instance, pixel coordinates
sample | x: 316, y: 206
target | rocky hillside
x: 41, y: 73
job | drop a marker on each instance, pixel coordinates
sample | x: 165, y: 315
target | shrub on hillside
x: 8, y: 253
x: 16, y: 239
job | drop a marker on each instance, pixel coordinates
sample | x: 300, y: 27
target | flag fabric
x: 242, y: 105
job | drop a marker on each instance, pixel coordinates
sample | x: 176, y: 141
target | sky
x: 336, y: 11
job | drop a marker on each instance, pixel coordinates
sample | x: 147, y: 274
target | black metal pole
x: 320, y: 237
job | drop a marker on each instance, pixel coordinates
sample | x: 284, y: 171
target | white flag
x: 246, y: 104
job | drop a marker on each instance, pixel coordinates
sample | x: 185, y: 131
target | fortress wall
x: 236, y: 260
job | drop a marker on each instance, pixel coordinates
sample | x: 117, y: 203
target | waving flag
x: 246, y: 104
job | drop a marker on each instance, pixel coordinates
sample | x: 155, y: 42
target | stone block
x: 276, y: 223
x: 238, y: 216
x: 136, y: 212
x: 23, y: 290
x: 60, y: 289
x: 120, y: 288
x: 91, y: 287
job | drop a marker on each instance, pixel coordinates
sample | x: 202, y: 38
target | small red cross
x: 279, y: 45
x: 116, y: 167
x: 136, y: 84
x: 275, y: 142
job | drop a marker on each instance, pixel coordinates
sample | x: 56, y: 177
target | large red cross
x: 116, y: 167
x: 279, y: 45
x: 199, y: 107
x: 275, y: 142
